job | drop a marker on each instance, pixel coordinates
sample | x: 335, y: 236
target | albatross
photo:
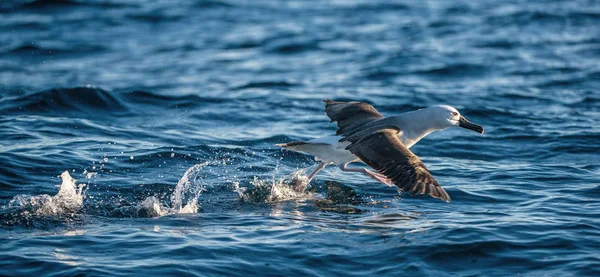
x: 364, y: 135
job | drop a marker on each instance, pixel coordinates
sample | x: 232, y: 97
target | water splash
x: 188, y: 189
x: 285, y: 188
x: 69, y: 199
x: 184, y: 199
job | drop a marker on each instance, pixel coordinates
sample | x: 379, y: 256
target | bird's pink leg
x: 300, y: 186
x: 319, y: 168
x: 374, y: 175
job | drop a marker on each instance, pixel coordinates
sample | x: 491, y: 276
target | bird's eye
x: 454, y: 113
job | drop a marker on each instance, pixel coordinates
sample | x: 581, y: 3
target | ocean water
x: 137, y: 137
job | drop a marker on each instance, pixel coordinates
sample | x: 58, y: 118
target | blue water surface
x: 166, y: 113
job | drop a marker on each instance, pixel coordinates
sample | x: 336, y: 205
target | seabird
x: 364, y: 135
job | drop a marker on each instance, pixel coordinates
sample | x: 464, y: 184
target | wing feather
x: 384, y: 152
x: 350, y: 115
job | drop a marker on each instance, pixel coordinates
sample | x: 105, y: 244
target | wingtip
x: 445, y: 197
x: 439, y: 193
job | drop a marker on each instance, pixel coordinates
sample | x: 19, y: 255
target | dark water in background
x: 130, y: 97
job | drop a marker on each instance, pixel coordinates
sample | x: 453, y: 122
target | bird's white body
x: 329, y: 149
x: 415, y: 125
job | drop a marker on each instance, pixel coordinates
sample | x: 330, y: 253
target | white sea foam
x: 276, y: 189
x: 69, y: 199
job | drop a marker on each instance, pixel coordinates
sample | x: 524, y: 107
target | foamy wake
x: 284, y: 188
x: 70, y: 198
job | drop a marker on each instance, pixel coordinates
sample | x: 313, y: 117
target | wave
x: 41, y: 4
x: 293, y: 46
x: 527, y: 17
x: 265, y: 84
x: 382, y: 74
x: 213, y: 4
x: 82, y: 100
x: 587, y: 101
x: 157, y: 16
x: 497, y: 43
x: 35, y: 49
x: 372, y: 6
x: 455, y: 70
x: 45, y: 4
x: 190, y: 100
x: 570, y: 80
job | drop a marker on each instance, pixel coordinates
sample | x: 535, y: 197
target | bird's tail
x: 291, y: 144
x: 321, y: 151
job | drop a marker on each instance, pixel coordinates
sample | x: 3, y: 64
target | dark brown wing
x: 384, y: 152
x: 350, y: 115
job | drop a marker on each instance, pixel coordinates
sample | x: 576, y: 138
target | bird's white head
x: 444, y: 116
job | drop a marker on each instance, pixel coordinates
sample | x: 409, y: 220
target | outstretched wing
x: 384, y: 152
x: 381, y: 149
x: 350, y: 115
